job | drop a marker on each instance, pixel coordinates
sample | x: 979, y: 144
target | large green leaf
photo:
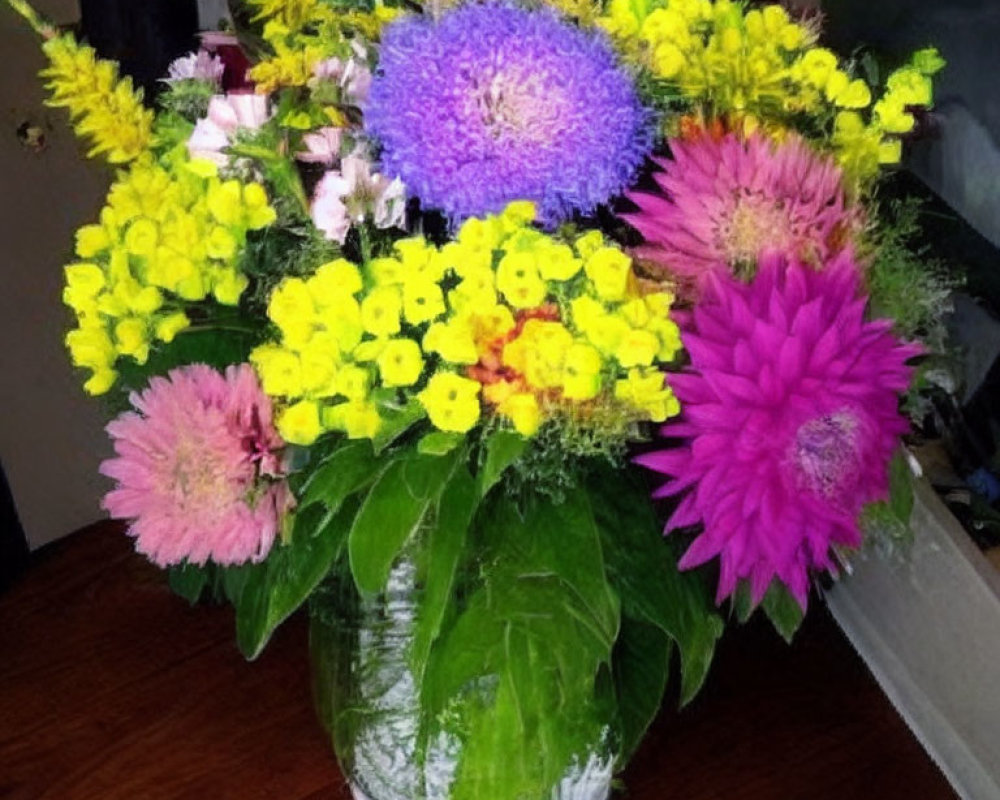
x: 519, y: 666
x: 393, y: 510
x: 643, y: 570
x: 347, y: 470
x: 783, y: 610
x: 445, y: 542
x: 641, y: 669
x: 274, y: 589
x: 561, y: 540
x: 502, y: 448
x: 190, y: 581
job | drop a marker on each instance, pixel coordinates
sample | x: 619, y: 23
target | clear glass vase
x: 369, y: 702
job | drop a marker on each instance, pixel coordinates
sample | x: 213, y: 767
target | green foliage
x: 271, y: 591
x: 502, y: 449
x: 393, y: 510
x: 446, y: 540
x: 906, y: 284
x: 641, y: 669
x: 190, y: 581
x: 518, y: 666
x: 187, y: 99
x: 783, y: 610
x: 642, y: 568
x: 219, y: 338
x: 886, y: 523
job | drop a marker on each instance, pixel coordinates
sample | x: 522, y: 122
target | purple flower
x: 200, y: 66
x: 790, y: 417
x: 493, y: 103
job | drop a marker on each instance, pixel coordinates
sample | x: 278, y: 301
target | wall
x: 51, y: 437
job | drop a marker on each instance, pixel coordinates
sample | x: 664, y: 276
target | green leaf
x: 643, y: 570
x: 396, y: 419
x: 503, y: 448
x: 783, y: 610
x: 274, y: 589
x: 519, y: 667
x: 561, y: 540
x: 742, y: 602
x: 439, y: 443
x: 641, y: 669
x: 391, y: 512
x: 189, y: 581
x: 901, y: 487
x: 347, y: 470
x: 445, y: 542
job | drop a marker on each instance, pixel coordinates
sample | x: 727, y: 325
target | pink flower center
x: 511, y: 107
x: 755, y: 223
x: 825, y: 453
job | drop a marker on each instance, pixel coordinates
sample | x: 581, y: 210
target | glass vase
x: 368, y: 699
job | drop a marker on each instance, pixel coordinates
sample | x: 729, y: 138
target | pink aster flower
x: 730, y: 198
x: 322, y: 146
x: 198, y: 469
x: 352, y: 193
x: 226, y: 115
x: 200, y: 66
x: 790, y: 417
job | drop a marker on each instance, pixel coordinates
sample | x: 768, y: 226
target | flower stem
x: 39, y: 24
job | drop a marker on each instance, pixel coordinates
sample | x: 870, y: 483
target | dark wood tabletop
x: 111, y: 687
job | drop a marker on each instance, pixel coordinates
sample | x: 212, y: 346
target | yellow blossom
x: 451, y: 402
x: 400, y: 362
x: 380, y: 310
x: 353, y: 382
x: 169, y: 326
x: 102, y: 106
x: 556, y: 262
x: 609, y: 269
x: 422, y: 301
x: 647, y: 392
x: 581, y: 376
x: 299, y: 423
x: 359, y: 419
x: 452, y: 340
x: 523, y: 411
x: 519, y: 281
x: 637, y: 348
x: 334, y: 280
x: 280, y: 370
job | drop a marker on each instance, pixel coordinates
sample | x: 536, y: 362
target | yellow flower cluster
x: 734, y: 61
x: 503, y: 314
x: 861, y: 147
x: 758, y: 64
x: 164, y: 238
x: 101, y: 105
x: 302, y: 33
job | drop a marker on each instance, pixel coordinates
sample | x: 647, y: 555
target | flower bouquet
x: 400, y: 308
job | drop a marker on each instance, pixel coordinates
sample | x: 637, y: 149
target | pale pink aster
x: 322, y: 146
x: 226, y: 115
x: 353, y: 193
x: 199, y: 66
x: 789, y: 420
x: 352, y: 75
x: 198, y: 468
x: 727, y: 199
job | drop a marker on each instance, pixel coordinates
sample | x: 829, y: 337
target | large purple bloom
x: 493, y: 103
x: 790, y: 418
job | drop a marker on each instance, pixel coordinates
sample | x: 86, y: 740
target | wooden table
x: 111, y: 687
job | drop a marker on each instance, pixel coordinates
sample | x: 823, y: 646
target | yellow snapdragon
x: 103, y: 106
x: 166, y: 237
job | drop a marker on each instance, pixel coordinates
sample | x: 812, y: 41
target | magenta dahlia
x: 730, y: 198
x: 790, y: 417
x: 198, y: 470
